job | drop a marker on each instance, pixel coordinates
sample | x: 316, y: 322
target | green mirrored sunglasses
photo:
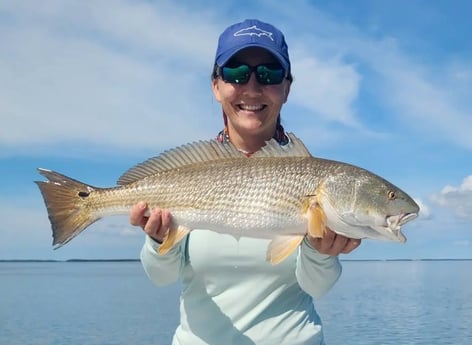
x: 266, y: 74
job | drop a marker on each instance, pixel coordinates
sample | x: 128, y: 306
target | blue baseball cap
x: 252, y: 33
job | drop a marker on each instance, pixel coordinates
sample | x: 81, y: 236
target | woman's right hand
x: 156, y: 225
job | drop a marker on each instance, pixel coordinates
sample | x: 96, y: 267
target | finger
x: 136, y: 215
x: 339, y: 244
x: 159, y: 224
x: 154, y: 223
x: 166, y: 219
x: 351, y: 245
x: 326, y: 242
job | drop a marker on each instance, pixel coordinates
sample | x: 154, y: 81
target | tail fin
x: 66, y: 203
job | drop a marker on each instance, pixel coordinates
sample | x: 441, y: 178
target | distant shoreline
x: 74, y: 260
x: 138, y: 260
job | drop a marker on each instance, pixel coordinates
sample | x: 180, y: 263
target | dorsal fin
x: 188, y: 154
x: 294, y: 148
x: 208, y: 151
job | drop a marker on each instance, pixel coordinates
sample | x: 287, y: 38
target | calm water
x: 114, y: 303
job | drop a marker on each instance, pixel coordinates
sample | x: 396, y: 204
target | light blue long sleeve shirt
x: 232, y: 295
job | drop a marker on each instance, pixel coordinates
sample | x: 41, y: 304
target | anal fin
x: 281, y: 247
x: 174, y: 236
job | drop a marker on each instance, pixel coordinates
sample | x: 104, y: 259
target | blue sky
x: 91, y: 88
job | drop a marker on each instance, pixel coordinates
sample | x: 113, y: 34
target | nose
x: 252, y: 87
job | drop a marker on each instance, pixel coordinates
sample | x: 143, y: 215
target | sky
x: 90, y: 89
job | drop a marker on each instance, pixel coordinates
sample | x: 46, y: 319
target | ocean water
x: 400, y: 302
x: 381, y: 303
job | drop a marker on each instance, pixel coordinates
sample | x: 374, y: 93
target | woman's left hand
x: 333, y: 244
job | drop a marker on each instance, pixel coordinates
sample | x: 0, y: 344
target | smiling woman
x: 251, y: 79
x: 251, y: 109
x: 89, y: 89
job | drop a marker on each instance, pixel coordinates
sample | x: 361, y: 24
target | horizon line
x: 138, y: 260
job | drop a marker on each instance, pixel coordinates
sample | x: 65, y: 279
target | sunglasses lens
x: 265, y: 74
x: 236, y: 75
x: 268, y: 75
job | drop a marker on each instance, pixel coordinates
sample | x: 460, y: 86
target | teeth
x: 251, y: 107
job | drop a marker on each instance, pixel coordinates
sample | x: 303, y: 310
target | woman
x: 231, y: 294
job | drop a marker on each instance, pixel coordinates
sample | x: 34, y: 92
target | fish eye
x: 391, y: 195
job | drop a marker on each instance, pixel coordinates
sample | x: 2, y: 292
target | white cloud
x: 117, y: 226
x: 425, y: 212
x: 24, y: 230
x: 26, y: 234
x: 458, y: 199
x: 429, y: 107
x: 75, y: 72
x: 427, y: 97
x: 463, y: 243
x: 119, y: 75
x: 326, y: 87
x: 22, y: 222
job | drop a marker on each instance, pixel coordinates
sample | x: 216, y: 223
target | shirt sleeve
x: 162, y: 269
x: 316, y: 273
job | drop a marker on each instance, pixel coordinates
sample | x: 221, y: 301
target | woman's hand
x: 156, y: 225
x: 333, y: 244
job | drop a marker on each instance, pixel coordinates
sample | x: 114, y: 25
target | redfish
x: 279, y: 193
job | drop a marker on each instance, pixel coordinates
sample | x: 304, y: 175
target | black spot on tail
x: 83, y: 194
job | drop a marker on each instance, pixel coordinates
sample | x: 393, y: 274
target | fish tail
x: 66, y: 201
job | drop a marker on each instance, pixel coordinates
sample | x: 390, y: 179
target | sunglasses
x: 266, y: 74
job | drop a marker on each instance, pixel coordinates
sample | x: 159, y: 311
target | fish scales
x: 248, y: 193
x: 279, y: 192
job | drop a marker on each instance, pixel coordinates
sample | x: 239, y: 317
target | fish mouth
x: 393, y: 225
x: 394, y: 222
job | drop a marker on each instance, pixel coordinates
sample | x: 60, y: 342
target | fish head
x: 363, y: 205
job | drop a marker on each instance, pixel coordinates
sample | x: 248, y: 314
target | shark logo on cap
x: 254, y: 31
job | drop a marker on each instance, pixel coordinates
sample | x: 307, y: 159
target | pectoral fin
x: 174, y: 236
x: 316, y: 221
x: 281, y: 247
